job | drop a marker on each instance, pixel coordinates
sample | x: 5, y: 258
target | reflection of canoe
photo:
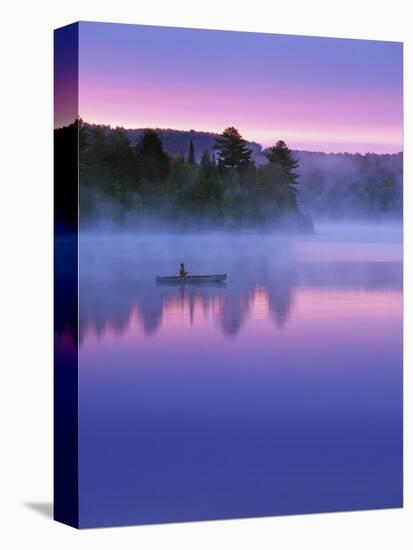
x: 193, y: 279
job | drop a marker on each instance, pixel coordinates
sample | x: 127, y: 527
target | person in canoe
x: 182, y: 272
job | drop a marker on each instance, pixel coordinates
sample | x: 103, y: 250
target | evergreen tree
x: 153, y: 162
x: 120, y: 155
x: 99, y: 149
x: 233, y: 191
x: 191, y: 154
x: 280, y: 158
x: 232, y: 150
x: 281, y: 155
x: 94, y: 157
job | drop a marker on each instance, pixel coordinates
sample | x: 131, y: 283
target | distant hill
x: 176, y: 142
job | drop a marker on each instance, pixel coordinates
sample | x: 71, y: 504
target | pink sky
x: 317, y: 94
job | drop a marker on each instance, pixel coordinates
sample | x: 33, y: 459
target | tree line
x: 225, y: 187
x: 351, y: 185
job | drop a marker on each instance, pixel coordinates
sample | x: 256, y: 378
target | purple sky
x: 315, y: 93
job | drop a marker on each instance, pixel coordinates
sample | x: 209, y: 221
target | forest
x: 132, y: 178
x: 351, y: 186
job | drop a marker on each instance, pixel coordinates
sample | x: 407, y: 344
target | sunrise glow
x: 321, y: 94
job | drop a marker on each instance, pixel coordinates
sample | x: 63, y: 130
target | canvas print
x: 228, y: 274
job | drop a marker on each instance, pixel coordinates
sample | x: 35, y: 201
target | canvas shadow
x: 43, y: 508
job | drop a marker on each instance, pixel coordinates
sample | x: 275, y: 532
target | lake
x: 277, y: 392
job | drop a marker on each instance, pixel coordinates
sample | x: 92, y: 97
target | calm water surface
x: 279, y: 392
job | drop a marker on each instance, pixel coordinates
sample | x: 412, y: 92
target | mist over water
x: 118, y: 271
x: 277, y: 389
x: 276, y: 392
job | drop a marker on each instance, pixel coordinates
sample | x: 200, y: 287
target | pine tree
x: 153, y: 162
x: 120, y: 154
x: 191, y: 154
x: 280, y: 158
x: 232, y: 150
x: 281, y: 155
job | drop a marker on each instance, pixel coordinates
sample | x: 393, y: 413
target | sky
x: 319, y: 94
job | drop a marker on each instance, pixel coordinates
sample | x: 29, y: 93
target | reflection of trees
x: 280, y: 300
x: 277, y: 286
x: 110, y: 304
x: 150, y: 313
x: 234, y: 311
x: 112, y: 308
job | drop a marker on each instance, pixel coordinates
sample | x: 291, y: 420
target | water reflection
x: 279, y: 392
x: 111, y: 303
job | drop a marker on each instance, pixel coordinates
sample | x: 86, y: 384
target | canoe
x: 193, y: 279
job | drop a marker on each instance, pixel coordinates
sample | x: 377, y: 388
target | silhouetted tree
x: 191, y: 154
x: 94, y: 152
x: 153, y: 162
x: 133, y: 184
x: 232, y: 150
x: 181, y: 180
x: 209, y: 182
x: 281, y: 155
x: 120, y: 156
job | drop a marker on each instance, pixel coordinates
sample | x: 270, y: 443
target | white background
x: 26, y: 271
